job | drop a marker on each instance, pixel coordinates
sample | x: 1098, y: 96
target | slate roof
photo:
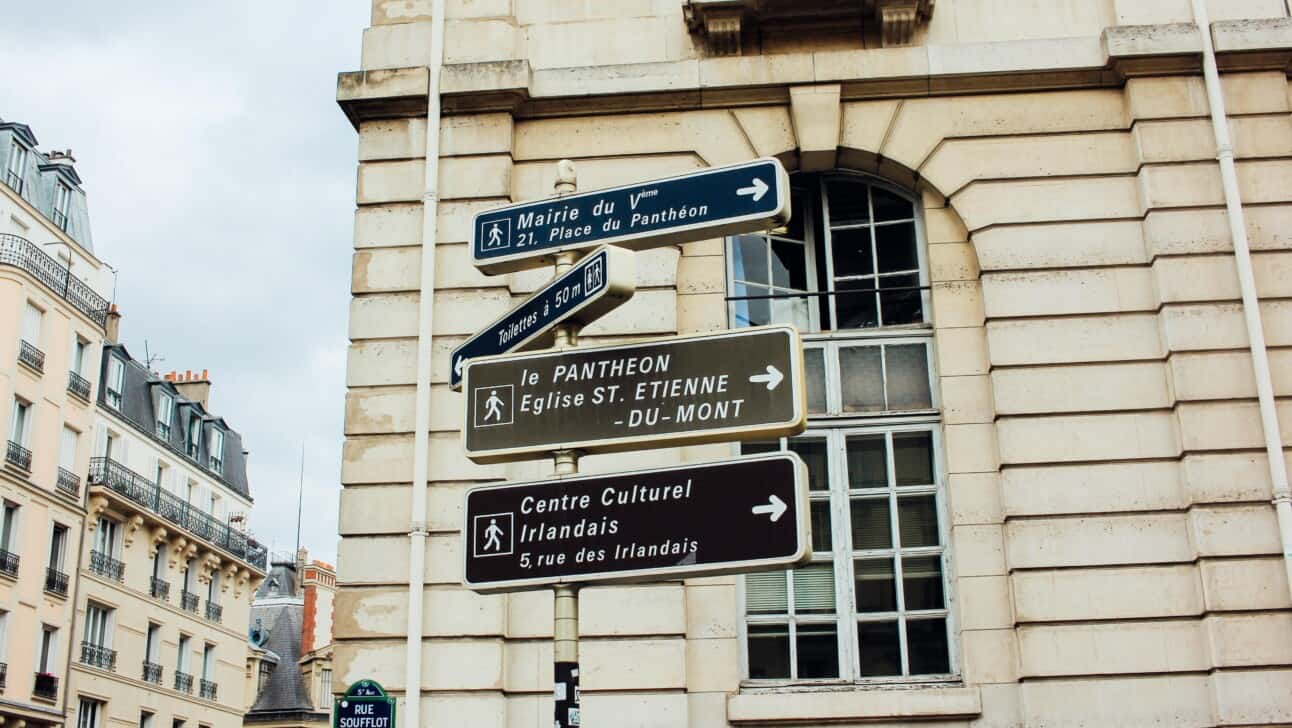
x: 139, y: 400
x: 285, y: 695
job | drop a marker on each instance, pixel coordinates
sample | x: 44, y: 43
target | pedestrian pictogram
x: 493, y: 534
x: 493, y: 405
x: 496, y: 235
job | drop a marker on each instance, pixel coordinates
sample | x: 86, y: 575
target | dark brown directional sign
x: 729, y: 516
x: 738, y: 384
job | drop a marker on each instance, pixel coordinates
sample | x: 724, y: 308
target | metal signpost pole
x: 565, y: 602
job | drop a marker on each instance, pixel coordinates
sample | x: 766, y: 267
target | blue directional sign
x: 594, y: 286
x: 709, y: 203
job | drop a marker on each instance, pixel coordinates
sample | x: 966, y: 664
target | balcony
x: 189, y: 601
x: 160, y: 589
x: 168, y: 507
x: 68, y: 483
x: 27, y: 256
x: 78, y: 385
x: 8, y: 564
x: 18, y: 456
x: 152, y: 673
x: 55, y: 582
x: 207, y: 689
x: 98, y: 656
x: 183, y: 682
x: 214, y: 612
x: 106, y: 566
x: 45, y: 687
x: 30, y: 356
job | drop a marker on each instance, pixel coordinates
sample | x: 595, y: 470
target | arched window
x: 874, y: 603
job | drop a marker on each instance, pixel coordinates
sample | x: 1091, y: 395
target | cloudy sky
x: 220, y: 176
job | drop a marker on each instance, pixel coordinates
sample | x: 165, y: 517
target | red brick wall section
x: 307, y: 622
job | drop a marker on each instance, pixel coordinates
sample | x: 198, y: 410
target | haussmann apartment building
x: 1040, y: 259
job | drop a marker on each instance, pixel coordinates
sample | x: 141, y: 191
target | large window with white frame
x: 216, y: 448
x: 873, y: 604
x: 165, y: 414
x: 62, y: 204
x: 16, y: 171
x: 116, y: 381
x: 87, y: 713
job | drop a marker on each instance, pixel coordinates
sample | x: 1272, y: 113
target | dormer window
x: 217, y: 451
x: 194, y: 440
x: 165, y: 411
x: 16, y: 171
x: 116, y: 377
x: 62, y: 203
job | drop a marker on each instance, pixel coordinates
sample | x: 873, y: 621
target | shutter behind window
x: 814, y: 589
x: 766, y: 593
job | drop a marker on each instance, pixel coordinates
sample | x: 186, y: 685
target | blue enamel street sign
x: 695, y: 206
x: 594, y: 286
x: 364, y: 705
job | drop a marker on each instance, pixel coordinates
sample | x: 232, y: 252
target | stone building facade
x: 1042, y: 494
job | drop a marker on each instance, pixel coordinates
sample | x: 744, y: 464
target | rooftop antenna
x: 300, y: 499
x: 150, y: 359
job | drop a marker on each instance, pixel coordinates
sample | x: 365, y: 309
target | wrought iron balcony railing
x: 152, y: 673
x: 78, y: 385
x: 18, y: 456
x: 183, y: 682
x: 189, y: 601
x: 8, y: 563
x: 22, y: 253
x: 147, y: 494
x: 214, y: 612
x: 106, y: 566
x: 98, y: 656
x: 55, y: 581
x: 45, y: 687
x: 68, y: 482
x: 31, y: 356
x: 160, y: 589
x: 207, y: 689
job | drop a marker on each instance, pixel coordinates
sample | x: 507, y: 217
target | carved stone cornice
x: 723, y: 23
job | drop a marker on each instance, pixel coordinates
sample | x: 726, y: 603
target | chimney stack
x: 112, y: 328
x: 193, y: 387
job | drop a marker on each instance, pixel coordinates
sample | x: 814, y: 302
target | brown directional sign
x: 729, y: 516
x: 732, y: 385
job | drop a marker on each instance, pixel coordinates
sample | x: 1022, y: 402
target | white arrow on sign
x: 757, y: 190
x: 775, y: 506
x: 457, y: 367
x: 772, y: 378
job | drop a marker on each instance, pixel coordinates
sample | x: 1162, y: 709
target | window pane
x: 889, y: 206
x: 917, y: 517
x: 876, y: 591
x: 789, y: 265
x: 814, y: 589
x: 749, y: 262
x: 769, y: 651
x: 813, y: 453
x: 895, y: 245
x: 851, y: 252
x: 922, y: 582
x: 901, y: 307
x: 871, y: 527
x: 799, y: 201
x: 848, y: 203
x: 753, y: 448
x: 757, y: 312
x: 913, y: 457
x: 907, y: 366
x: 814, y: 369
x: 818, y: 651
x: 879, y: 649
x: 867, y: 462
x: 766, y: 593
x: 926, y: 643
x: 791, y: 310
x: 855, y: 310
x: 861, y: 377
x: 821, y: 533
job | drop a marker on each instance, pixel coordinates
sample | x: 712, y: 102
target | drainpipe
x: 1247, y: 284
x: 422, y: 419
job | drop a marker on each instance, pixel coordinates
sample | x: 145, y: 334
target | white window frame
x: 57, y: 550
x: 22, y: 416
x: 208, y: 662
x: 152, y: 643
x: 113, y: 393
x: 16, y: 170
x: 107, y: 537
x: 47, y: 658
x: 184, y: 654
x: 215, y: 455
x: 9, y: 526
x: 62, y: 204
x: 99, y: 621
x: 325, y: 687
x: 33, y: 322
x: 67, y: 447
x: 87, y: 713
x: 4, y: 636
x: 165, y: 414
x: 193, y: 436
x: 80, y: 347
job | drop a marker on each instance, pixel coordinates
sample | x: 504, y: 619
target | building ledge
x: 835, y: 705
x: 383, y: 93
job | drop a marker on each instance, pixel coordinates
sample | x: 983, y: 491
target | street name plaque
x: 732, y: 385
x: 731, y: 516
x: 364, y: 705
x: 596, y: 285
x: 708, y: 203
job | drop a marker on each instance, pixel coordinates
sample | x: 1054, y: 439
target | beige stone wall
x: 1114, y: 551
